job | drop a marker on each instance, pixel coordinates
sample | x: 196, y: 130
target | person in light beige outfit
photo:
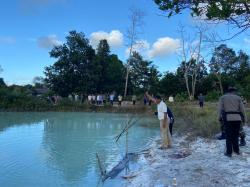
x: 164, y: 120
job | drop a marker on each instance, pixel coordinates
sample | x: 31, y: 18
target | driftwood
x: 128, y: 156
x: 119, y: 167
x: 103, y: 172
x: 128, y: 125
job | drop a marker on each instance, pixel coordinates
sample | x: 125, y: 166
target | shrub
x: 195, y: 121
x: 181, y: 97
x: 212, y: 96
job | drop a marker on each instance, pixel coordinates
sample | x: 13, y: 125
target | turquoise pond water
x: 59, y: 149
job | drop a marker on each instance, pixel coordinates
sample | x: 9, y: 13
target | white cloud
x: 247, y: 41
x: 7, y: 40
x: 48, y: 42
x: 141, y: 46
x: 114, y: 38
x: 163, y: 47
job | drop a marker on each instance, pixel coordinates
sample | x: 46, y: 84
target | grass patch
x: 196, y: 122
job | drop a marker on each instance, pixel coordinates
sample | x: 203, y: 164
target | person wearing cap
x: 164, y: 120
x: 232, y: 112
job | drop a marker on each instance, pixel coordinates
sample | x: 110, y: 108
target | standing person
x: 164, y: 120
x: 232, y: 112
x: 93, y: 99
x: 89, y: 99
x: 134, y: 99
x: 150, y: 102
x: 145, y: 100
x: 104, y: 99
x: 98, y: 99
x: 111, y: 99
x: 120, y: 100
x: 201, y: 100
x: 171, y: 120
x: 101, y: 99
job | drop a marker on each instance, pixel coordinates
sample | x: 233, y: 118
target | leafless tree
x: 134, y: 30
x: 190, y: 56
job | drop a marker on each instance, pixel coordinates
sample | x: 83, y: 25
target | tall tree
x: 142, y: 74
x: 134, y: 30
x: 191, y: 60
x: 222, y: 62
x: 241, y: 68
x: 114, y: 78
x: 172, y: 84
x: 75, y: 69
x: 102, y: 59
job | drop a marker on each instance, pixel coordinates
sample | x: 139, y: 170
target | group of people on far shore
x: 102, y: 99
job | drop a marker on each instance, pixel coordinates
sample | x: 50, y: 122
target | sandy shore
x: 200, y: 163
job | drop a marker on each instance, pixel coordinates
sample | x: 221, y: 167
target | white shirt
x: 89, y: 97
x: 161, y: 109
x: 111, y: 97
x: 171, y: 99
x: 119, y: 98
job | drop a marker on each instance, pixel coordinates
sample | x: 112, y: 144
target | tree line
x: 83, y: 70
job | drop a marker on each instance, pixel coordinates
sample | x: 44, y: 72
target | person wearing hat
x: 164, y: 120
x: 232, y: 112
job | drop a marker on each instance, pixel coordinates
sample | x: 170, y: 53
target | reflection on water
x: 58, y: 149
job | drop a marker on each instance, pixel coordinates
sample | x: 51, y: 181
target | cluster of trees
x: 82, y: 70
x: 226, y: 67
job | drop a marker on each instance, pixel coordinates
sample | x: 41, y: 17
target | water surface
x: 58, y: 149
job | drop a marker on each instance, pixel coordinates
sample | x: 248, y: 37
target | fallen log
x: 119, y: 167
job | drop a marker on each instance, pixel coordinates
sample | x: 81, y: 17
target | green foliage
x: 17, y: 98
x: 75, y: 69
x: 79, y: 70
x: 246, y: 88
x: 195, y: 122
x: 181, y: 97
x: 143, y: 75
x: 111, y: 76
x: 172, y: 84
x: 2, y: 83
x: 223, y: 60
x: 212, y: 95
x: 234, y: 11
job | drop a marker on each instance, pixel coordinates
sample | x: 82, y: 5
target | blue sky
x: 29, y: 28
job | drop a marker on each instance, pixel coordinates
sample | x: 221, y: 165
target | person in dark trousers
x: 145, y: 100
x: 134, y: 99
x: 231, y: 110
x: 242, y: 134
x: 201, y: 100
x: 171, y: 117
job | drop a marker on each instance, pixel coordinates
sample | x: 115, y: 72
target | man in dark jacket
x: 232, y: 112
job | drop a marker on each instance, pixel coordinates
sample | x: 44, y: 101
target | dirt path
x: 197, y: 164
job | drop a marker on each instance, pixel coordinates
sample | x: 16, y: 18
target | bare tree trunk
x: 197, y: 66
x: 218, y: 75
x: 136, y: 18
x: 187, y: 84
